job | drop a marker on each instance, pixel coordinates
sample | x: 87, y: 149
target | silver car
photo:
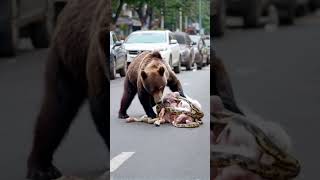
x: 187, y: 49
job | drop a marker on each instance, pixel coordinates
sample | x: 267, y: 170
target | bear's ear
x: 161, y: 70
x: 144, y: 75
x: 156, y: 54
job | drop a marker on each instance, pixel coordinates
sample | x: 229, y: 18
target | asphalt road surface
x: 275, y: 75
x: 21, y: 79
x: 143, y: 151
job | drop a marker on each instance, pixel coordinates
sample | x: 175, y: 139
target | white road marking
x: 117, y: 161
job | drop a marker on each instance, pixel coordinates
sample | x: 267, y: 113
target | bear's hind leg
x: 129, y: 93
x: 98, y: 107
x: 60, y: 104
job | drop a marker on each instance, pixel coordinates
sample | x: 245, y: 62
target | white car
x: 161, y: 40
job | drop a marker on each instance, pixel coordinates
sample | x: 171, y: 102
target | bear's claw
x: 123, y: 116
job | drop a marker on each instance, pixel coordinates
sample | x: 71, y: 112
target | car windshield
x: 147, y: 37
x: 195, y: 39
x: 180, y: 39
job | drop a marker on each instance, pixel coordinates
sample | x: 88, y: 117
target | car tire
x: 41, y: 33
x: 290, y: 12
x: 219, y: 19
x: 9, y: 35
x: 123, y: 71
x: 253, y: 14
x: 189, y: 64
x: 113, y: 69
x: 177, y: 69
x: 200, y: 63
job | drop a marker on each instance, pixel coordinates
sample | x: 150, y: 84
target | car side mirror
x: 173, y: 41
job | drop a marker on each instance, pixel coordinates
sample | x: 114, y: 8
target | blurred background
x: 271, y: 51
x: 174, y: 15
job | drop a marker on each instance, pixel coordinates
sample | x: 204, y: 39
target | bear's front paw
x: 43, y: 174
x: 123, y: 115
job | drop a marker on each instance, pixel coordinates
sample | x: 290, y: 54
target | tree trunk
x: 150, y: 15
x: 118, y: 12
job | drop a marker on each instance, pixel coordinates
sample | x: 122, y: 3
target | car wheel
x: 189, y: 64
x: 123, y: 71
x: 253, y: 14
x: 177, y: 69
x: 9, y: 36
x: 41, y: 33
x: 113, y: 69
x: 200, y: 63
x: 219, y: 19
x: 290, y: 14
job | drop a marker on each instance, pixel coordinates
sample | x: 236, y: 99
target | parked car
x: 195, y: 39
x: 118, y: 57
x: 201, y: 52
x: 186, y: 49
x: 161, y: 40
x: 22, y: 19
x: 288, y: 9
x: 251, y: 10
x: 218, y: 17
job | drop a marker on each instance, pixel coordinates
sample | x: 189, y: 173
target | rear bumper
x: 185, y: 57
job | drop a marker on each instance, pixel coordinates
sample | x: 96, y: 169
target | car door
x: 116, y: 50
x: 189, y: 43
x: 205, y: 49
x: 175, y: 49
x: 119, y: 52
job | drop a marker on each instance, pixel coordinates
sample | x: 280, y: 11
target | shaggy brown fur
x: 76, y: 70
x: 221, y: 85
x: 148, y: 75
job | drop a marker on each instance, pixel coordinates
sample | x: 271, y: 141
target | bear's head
x: 154, y: 78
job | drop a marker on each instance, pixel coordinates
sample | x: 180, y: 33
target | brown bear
x: 221, y: 85
x: 76, y: 70
x: 148, y: 75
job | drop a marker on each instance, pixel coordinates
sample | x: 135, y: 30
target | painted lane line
x: 117, y: 161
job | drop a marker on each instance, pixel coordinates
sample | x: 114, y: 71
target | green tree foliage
x: 170, y: 9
